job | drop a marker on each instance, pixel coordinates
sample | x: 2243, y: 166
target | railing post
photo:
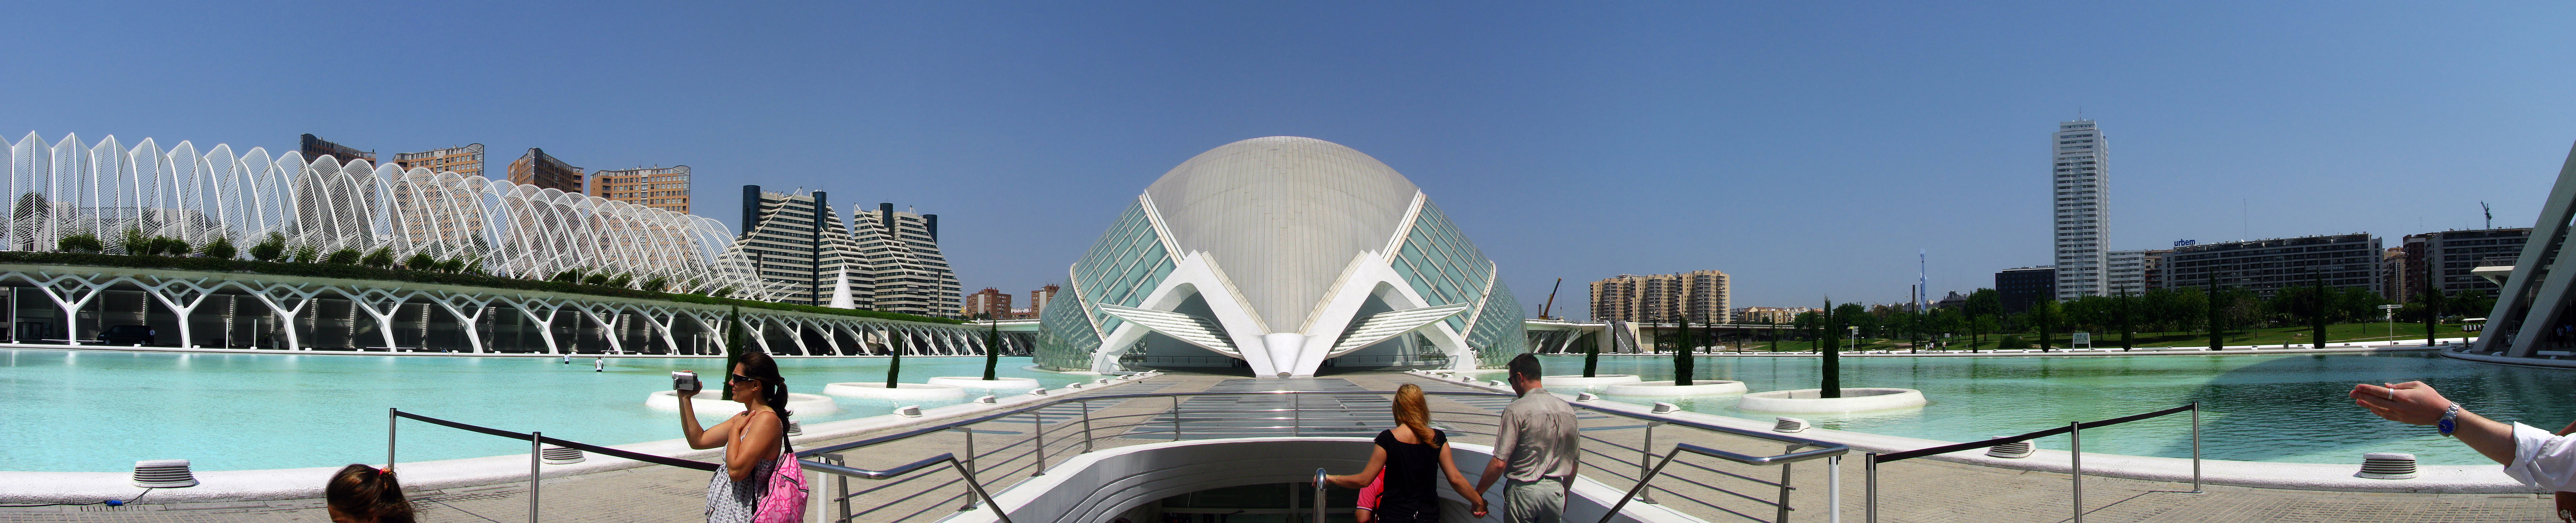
x: 1037, y: 433
x: 393, y: 417
x: 1648, y: 451
x: 970, y: 449
x: 1869, y: 487
x: 1319, y: 495
x: 536, y: 449
x: 1176, y: 418
x: 840, y: 488
x: 2195, y: 447
x: 2075, y: 459
x: 1086, y: 424
x: 1785, y: 468
x: 1834, y: 489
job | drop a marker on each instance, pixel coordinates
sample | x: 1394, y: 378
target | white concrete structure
x: 1282, y: 252
x: 2080, y: 178
x: 1812, y: 401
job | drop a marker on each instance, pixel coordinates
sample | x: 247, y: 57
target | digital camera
x: 685, y: 381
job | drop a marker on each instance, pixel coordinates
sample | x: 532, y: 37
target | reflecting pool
x: 2286, y: 407
x: 100, y: 411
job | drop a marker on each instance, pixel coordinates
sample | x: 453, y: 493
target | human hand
x: 2412, y: 403
x: 1479, y: 509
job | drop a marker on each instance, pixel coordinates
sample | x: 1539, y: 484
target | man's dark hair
x: 1524, y: 366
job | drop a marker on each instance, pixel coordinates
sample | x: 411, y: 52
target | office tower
x: 665, y: 188
x: 2451, y: 254
x: 1704, y: 296
x: 797, y: 243
x: 464, y: 161
x: 316, y: 147
x: 2082, y: 218
x: 2132, y: 272
x: 988, y: 303
x: 898, y: 254
x: 2023, y: 287
x: 2266, y: 266
x: 544, y: 171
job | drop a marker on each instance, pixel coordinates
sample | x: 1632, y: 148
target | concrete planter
x: 1577, y: 381
x: 1853, y: 400
x: 706, y: 401
x: 904, y: 391
x: 1667, y: 388
x: 973, y: 382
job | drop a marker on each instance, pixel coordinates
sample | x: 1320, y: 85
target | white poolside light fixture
x: 2014, y: 450
x: 908, y: 411
x: 1666, y: 408
x: 987, y: 399
x: 1587, y: 396
x: 795, y: 429
x: 163, y: 473
x: 1789, y: 424
x: 2387, y: 465
x: 554, y: 455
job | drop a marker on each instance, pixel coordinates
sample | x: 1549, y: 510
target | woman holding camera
x: 752, y: 439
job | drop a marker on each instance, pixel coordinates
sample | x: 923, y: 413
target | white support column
x: 275, y: 296
x: 471, y: 324
x: 182, y: 303
x: 545, y: 325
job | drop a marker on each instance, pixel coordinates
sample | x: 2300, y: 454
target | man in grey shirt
x: 1534, y: 449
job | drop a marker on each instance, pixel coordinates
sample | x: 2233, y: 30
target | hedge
x: 361, y: 272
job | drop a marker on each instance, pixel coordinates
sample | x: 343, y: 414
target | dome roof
x: 1282, y: 216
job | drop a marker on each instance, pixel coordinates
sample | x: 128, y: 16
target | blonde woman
x: 1414, y: 457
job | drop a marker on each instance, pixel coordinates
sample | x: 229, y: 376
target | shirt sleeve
x: 2542, y: 459
x: 1507, y: 437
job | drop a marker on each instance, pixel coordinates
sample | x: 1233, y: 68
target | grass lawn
x: 2341, y: 333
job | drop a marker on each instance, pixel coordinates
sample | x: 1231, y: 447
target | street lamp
x: 2391, y: 311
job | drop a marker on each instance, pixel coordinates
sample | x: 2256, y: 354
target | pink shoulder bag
x: 785, y: 501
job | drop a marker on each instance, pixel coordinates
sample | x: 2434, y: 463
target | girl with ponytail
x: 364, y: 494
x: 1413, y: 457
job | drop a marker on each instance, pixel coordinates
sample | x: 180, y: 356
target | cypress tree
x: 2123, y: 315
x: 1592, y: 352
x: 1682, y: 353
x: 733, y: 350
x: 2319, y: 315
x: 1833, y: 364
x: 2217, y: 338
x: 894, y: 365
x: 992, y: 346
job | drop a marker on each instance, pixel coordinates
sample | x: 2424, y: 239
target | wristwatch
x: 2449, y: 414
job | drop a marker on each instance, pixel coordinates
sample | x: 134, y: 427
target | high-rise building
x: 987, y: 303
x: 665, y: 188
x: 1703, y: 296
x: 2082, y: 219
x: 1038, y: 299
x: 797, y: 244
x: 2020, y: 288
x: 2127, y: 272
x: 2452, y: 254
x: 315, y: 147
x: 897, y: 252
x: 2266, y: 266
x: 464, y: 160
x: 544, y: 171
x: 2392, y: 273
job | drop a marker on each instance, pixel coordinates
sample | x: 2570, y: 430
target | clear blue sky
x: 1806, y: 149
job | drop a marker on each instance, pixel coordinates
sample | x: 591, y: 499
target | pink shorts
x: 1369, y: 494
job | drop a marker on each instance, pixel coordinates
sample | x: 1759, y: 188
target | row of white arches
x: 108, y: 189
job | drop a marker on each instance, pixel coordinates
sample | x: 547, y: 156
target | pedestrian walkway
x: 1914, y: 490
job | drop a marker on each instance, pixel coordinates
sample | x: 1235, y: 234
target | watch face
x: 2446, y: 427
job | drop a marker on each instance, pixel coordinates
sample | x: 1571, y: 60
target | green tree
x: 269, y: 249
x: 2319, y: 308
x: 2217, y: 332
x: 344, y: 256
x: 134, y: 243
x: 83, y: 242
x: 420, y: 261
x: 992, y: 345
x: 2044, y: 316
x: 220, y: 248
x: 381, y: 258
x: 1682, y: 357
x: 1833, y: 364
x: 735, y: 332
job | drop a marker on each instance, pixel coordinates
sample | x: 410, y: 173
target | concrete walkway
x: 1916, y: 490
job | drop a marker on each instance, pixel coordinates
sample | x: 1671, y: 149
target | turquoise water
x: 101, y: 411
x: 2285, y: 408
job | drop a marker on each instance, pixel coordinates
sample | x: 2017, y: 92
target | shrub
x: 420, y: 261
x: 2013, y: 342
x: 344, y: 256
x: 168, y: 246
x: 83, y: 243
x: 596, y: 278
x: 220, y: 248
x: 134, y: 242
x: 381, y: 258
x: 270, y: 249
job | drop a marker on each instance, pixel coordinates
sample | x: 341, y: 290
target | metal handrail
x: 843, y: 498
x: 2075, y: 432
x: 1814, y: 449
x: 1784, y: 460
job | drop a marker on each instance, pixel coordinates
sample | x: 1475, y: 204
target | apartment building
x: 1702, y: 296
x: 465, y: 160
x: 2265, y: 266
x: 665, y: 188
x: 546, y: 172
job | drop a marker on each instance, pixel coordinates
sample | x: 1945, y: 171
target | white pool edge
x: 2429, y: 479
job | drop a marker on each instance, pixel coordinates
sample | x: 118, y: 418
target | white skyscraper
x: 2083, y: 220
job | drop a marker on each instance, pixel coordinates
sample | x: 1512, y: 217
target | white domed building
x: 1284, y: 253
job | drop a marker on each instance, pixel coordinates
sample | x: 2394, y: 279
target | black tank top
x: 1412, y: 475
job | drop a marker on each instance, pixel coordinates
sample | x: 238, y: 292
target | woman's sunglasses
x: 737, y: 378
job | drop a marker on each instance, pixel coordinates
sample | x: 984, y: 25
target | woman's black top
x: 1412, y: 474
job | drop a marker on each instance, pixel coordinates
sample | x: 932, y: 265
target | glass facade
x: 1441, y: 265
x: 1122, y: 268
